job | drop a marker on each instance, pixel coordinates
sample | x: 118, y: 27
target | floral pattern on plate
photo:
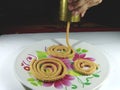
x: 67, y: 80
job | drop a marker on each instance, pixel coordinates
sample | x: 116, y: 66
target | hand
x: 81, y: 6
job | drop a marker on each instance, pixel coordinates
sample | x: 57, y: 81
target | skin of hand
x: 81, y: 6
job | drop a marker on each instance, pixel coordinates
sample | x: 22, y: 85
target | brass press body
x: 65, y: 14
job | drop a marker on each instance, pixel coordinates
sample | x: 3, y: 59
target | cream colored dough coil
x: 84, y: 67
x: 48, y: 69
x: 60, y: 51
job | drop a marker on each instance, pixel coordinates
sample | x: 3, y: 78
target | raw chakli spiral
x: 85, y: 67
x: 60, y: 51
x: 48, y: 69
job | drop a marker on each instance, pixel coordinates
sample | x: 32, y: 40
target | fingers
x: 81, y: 11
x: 76, y: 4
x: 81, y: 6
x: 70, y: 1
x: 78, y: 8
x: 92, y: 3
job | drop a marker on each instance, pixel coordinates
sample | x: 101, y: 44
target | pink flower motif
x: 30, y: 57
x: 22, y: 64
x: 67, y: 63
x: 78, y: 56
x: 27, y: 68
x: 66, y: 81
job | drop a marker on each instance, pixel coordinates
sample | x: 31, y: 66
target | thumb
x: 83, y: 13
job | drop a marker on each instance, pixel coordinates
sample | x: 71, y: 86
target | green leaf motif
x: 78, y: 50
x: 84, y: 50
x: 88, y: 79
x: 87, y: 83
x: 96, y: 75
x: 30, y: 79
x: 73, y: 73
x: 74, y: 86
x: 34, y: 84
x: 40, y: 82
x: 41, y: 54
x: 81, y: 51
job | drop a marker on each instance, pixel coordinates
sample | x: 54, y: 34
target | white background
x: 11, y: 45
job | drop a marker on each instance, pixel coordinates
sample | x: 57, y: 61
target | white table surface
x: 11, y: 45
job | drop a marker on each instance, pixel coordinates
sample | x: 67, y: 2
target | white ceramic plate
x: 74, y: 81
